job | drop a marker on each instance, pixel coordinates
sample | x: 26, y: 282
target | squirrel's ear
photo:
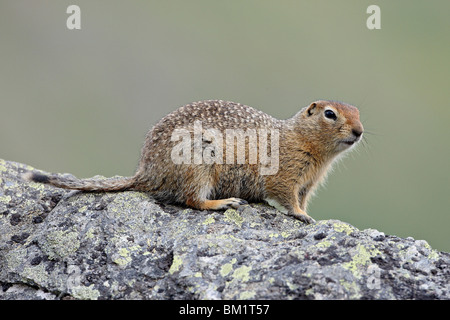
x: 311, y: 109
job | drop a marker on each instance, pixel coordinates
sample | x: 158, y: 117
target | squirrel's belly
x: 274, y: 203
x: 240, y: 182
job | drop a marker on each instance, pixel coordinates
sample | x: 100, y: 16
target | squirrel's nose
x: 357, y: 132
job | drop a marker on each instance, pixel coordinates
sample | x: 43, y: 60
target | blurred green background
x: 81, y: 101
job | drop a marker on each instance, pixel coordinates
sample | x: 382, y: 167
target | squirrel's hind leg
x: 198, y: 198
x: 221, y: 204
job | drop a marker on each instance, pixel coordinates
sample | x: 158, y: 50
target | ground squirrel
x: 199, y: 171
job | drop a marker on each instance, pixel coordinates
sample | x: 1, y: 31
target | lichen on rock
x: 58, y: 244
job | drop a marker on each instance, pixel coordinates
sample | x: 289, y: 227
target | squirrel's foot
x: 303, y: 217
x: 231, y: 203
x: 221, y: 204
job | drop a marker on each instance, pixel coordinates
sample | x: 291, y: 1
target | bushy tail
x: 91, y: 184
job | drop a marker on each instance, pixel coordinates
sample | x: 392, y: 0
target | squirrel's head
x: 334, y: 125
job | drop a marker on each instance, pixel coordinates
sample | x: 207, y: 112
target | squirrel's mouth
x: 350, y: 142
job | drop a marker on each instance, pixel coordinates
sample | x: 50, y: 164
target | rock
x: 59, y: 244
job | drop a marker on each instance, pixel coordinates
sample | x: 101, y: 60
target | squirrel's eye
x: 330, y: 114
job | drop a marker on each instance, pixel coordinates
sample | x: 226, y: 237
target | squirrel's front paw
x: 303, y: 217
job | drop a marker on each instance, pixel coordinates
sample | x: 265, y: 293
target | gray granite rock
x: 59, y: 244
